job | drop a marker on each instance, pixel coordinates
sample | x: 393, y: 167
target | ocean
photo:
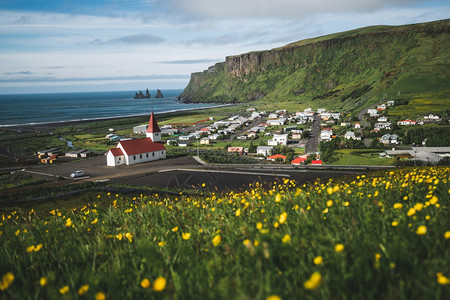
x: 25, y: 109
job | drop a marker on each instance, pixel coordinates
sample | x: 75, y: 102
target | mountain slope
x: 348, y: 69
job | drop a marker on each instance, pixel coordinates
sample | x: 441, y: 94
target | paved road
x: 184, y: 172
x: 313, y: 142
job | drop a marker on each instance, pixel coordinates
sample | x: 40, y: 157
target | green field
x: 362, y: 157
x: 378, y: 236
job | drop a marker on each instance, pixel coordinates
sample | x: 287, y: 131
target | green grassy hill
x: 345, y: 70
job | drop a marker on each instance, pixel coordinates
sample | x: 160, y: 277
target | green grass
x: 362, y: 157
x: 393, y: 227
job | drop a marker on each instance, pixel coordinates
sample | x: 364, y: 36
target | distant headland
x: 140, y: 95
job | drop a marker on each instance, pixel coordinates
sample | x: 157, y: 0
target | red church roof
x: 116, y: 151
x: 152, y: 125
x: 139, y: 146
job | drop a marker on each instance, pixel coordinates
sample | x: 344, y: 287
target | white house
x: 137, y: 151
x: 278, y: 139
x: 389, y: 139
x: 390, y: 103
x: 379, y: 126
x: 350, y: 135
x: 382, y: 119
x: 326, y: 134
x: 357, y: 125
x: 273, y: 116
x: 264, y: 150
x: 277, y: 122
x: 406, y: 122
x: 372, y: 112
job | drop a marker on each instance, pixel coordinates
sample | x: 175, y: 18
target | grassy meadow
x: 382, y: 235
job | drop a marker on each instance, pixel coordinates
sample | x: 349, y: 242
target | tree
x: 252, y: 148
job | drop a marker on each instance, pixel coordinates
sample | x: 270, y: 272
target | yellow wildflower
x: 339, y: 248
x: 421, y: 230
x: 162, y: 243
x: 398, y: 206
x: 411, y: 212
x: 273, y: 297
x: 83, y: 289
x: 100, y: 296
x: 282, y: 217
x: 94, y: 221
x: 330, y: 190
x: 394, y: 223
x: 447, y: 234
x: 43, y: 281
x: 278, y: 198
x: 175, y: 229
x: 318, y: 260
x: 68, y: 222
x: 325, y: 210
x: 313, y: 282
x: 129, y: 236
x: 276, y: 224
x: 216, y: 240
x: 433, y: 200
x: 145, y: 283
x: 38, y: 247
x: 17, y: 232
x: 418, y: 206
x: 442, y: 280
x: 259, y: 225
x: 7, y: 279
x: 346, y: 203
x: 30, y: 249
x: 160, y: 284
x: 186, y: 236
x: 330, y: 203
x: 238, y: 212
x: 286, y: 238
x: 64, y: 290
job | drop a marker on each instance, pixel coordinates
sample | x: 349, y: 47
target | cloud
x: 231, y: 9
x: 91, y: 79
x: 189, y: 61
x: 19, y: 73
x: 135, y: 39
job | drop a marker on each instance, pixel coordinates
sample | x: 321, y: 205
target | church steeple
x: 153, y: 130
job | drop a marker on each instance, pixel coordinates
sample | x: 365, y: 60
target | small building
x: 406, y: 122
x: 238, y: 150
x: 357, y: 125
x: 390, y: 103
x: 204, y: 141
x: 389, y: 139
x: 382, y: 119
x: 316, y: 162
x: 298, y: 161
x: 278, y: 139
x: 77, y: 153
x: 264, y: 150
x: 277, y: 156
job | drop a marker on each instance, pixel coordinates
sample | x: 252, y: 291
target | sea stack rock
x: 159, y: 94
x: 140, y: 95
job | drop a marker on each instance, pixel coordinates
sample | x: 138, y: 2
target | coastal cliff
x: 347, y: 66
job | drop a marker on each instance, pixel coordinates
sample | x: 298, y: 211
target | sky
x: 110, y: 45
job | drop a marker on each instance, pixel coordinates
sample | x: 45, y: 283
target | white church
x: 138, y: 151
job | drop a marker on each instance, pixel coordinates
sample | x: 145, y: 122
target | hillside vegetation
x: 377, y: 236
x: 345, y: 70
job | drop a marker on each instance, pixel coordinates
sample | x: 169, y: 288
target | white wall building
x: 278, y: 139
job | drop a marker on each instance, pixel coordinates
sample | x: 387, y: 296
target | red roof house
x: 298, y: 160
x: 316, y: 162
x: 273, y: 157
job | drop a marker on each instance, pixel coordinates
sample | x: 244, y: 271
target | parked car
x: 78, y: 173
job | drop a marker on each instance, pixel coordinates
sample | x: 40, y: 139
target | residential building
x: 278, y: 139
x: 406, y: 122
x: 264, y: 150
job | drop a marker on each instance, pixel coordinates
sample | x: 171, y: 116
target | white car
x: 78, y: 173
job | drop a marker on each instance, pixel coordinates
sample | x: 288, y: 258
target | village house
x: 277, y: 122
x: 372, y: 112
x: 264, y: 150
x: 357, y: 125
x: 432, y: 117
x: 389, y: 139
x: 382, y: 119
x: 326, y: 134
x: 277, y: 156
x: 379, y: 126
x: 204, y: 141
x: 406, y: 122
x: 238, y: 150
x: 139, y: 150
x: 278, y: 139
x: 390, y: 103
x: 298, y: 161
x: 381, y: 107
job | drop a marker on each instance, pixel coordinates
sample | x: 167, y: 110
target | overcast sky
x: 98, y: 45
